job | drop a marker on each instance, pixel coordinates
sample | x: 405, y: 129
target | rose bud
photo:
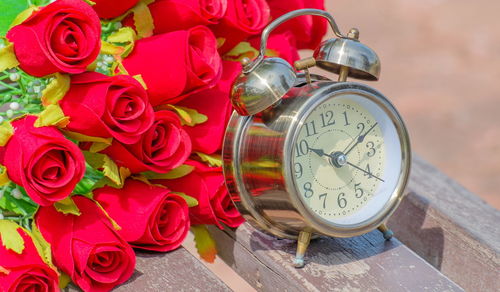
x: 206, y: 184
x: 216, y: 105
x: 193, y: 63
x: 107, y: 106
x: 25, y: 271
x: 112, y: 8
x: 151, y: 217
x: 283, y: 44
x: 87, y: 247
x: 307, y: 29
x: 63, y: 36
x: 243, y: 19
x: 162, y: 148
x: 42, y: 161
x: 182, y: 14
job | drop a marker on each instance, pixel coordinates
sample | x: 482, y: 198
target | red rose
x: 284, y: 44
x: 112, y: 8
x: 206, y: 184
x: 151, y: 217
x: 182, y: 14
x: 87, y: 247
x: 307, y: 29
x: 216, y: 105
x: 162, y: 148
x: 176, y: 63
x: 25, y: 271
x: 104, y: 106
x: 42, y: 161
x: 243, y: 19
x: 63, y: 36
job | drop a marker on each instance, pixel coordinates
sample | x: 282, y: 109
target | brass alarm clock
x: 304, y: 155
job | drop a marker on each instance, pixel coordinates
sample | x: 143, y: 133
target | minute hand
x: 360, y: 139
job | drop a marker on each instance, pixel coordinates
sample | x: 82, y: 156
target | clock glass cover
x: 346, y: 159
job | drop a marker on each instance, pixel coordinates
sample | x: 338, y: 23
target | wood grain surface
x: 450, y: 227
x: 174, y: 271
x: 363, y: 263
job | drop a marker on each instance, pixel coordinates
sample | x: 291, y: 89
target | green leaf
x: 177, y: 172
x: 67, y: 206
x: 213, y: 160
x: 64, y: 280
x: 42, y: 246
x: 114, y: 174
x: 88, y: 182
x: 192, y: 202
x: 190, y: 117
x: 10, y: 9
x: 204, y: 243
x: 11, y: 238
x: 23, y: 206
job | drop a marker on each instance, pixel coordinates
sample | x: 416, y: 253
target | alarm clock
x: 307, y: 156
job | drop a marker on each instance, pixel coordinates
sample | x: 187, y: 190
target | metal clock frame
x: 280, y: 211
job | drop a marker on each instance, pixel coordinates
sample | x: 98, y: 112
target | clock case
x: 258, y: 164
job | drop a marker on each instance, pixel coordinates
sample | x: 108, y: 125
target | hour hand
x: 320, y: 152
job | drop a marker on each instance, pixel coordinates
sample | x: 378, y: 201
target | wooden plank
x: 363, y: 263
x: 174, y: 271
x: 450, y: 227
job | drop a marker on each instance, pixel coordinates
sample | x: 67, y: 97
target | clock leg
x: 386, y: 231
x: 302, y: 244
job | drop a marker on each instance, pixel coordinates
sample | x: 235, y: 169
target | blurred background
x: 441, y: 68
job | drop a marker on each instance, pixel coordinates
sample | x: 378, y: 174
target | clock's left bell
x: 261, y: 84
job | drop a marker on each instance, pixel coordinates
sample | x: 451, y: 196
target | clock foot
x: 388, y: 234
x: 302, y: 244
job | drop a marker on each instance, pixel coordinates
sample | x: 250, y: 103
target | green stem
x: 8, y: 86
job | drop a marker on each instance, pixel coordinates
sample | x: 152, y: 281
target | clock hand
x: 355, y: 138
x: 361, y: 138
x: 320, y: 152
x: 368, y: 173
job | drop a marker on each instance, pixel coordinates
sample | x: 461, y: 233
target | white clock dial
x: 341, y: 161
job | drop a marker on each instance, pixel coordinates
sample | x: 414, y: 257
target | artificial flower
x: 151, y: 217
x: 307, y: 29
x: 107, y: 106
x: 206, y: 184
x: 87, y: 247
x: 163, y: 147
x: 63, y: 36
x: 243, y: 18
x: 281, y: 45
x: 183, y: 14
x: 216, y: 105
x: 112, y: 8
x: 176, y: 63
x: 42, y: 161
x: 25, y: 271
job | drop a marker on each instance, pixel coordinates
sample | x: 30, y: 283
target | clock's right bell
x: 338, y: 54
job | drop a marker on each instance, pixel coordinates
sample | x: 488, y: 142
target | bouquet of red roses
x: 111, y: 130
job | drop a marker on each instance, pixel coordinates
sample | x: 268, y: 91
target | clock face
x: 346, y: 159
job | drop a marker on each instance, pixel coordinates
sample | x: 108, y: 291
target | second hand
x: 368, y: 173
